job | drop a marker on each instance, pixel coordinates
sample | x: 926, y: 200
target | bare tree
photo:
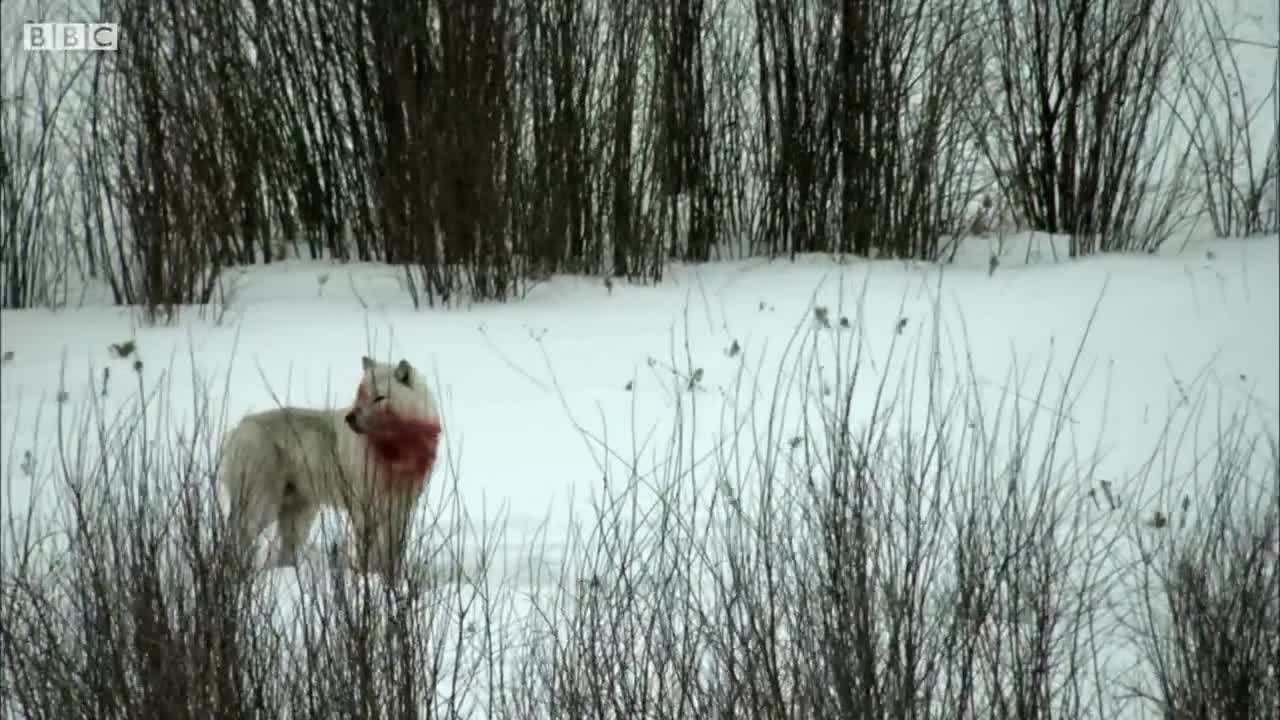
x: 559, y: 72
x: 620, y: 192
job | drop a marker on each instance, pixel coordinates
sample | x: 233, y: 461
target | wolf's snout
x: 353, y: 422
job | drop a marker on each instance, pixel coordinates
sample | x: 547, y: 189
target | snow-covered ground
x: 544, y: 397
x: 584, y: 405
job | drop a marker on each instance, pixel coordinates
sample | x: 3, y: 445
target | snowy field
x: 691, y: 392
x: 1001, y: 487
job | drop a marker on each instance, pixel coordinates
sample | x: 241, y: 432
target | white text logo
x: 70, y: 36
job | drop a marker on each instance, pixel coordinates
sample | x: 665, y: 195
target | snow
x: 552, y: 402
x: 525, y: 386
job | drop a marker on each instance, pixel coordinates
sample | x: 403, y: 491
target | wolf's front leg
x: 366, y: 547
x: 380, y: 533
x: 358, y: 543
x: 393, y: 539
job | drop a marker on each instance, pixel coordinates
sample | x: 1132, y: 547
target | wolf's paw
x: 435, y: 574
x: 341, y: 557
x: 347, y: 557
x: 284, y: 559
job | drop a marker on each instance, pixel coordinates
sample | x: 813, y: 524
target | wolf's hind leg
x: 293, y: 524
x: 253, y: 506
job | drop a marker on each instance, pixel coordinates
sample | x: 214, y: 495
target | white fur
x: 284, y: 465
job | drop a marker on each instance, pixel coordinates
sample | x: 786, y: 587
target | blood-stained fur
x: 372, y: 461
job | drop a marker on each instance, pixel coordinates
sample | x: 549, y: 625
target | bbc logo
x: 70, y: 36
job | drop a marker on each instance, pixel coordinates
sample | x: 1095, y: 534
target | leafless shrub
x: 836, y: 551
x: 482, y: 148
x: 559, y: 72
x: 862, y: 117
x: 1208, y: 624
x: 1079, y: 86
x: 121, y: 599
x: 1219, y: 112
x: 913, y: 546
x: 40, y: 119
x: 622, y: 178
x: 194, y: 150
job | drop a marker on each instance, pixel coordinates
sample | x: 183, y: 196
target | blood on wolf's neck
x: 406, y: 448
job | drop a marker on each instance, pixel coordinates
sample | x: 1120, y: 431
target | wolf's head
x: 397, y: 414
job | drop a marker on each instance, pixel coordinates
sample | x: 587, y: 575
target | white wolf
x: 372, y: 462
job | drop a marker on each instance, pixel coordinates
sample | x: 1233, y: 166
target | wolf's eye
x: 379, y: 399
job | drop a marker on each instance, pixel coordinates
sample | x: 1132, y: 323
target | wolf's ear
x: 404, y: 371
x: 367, y: 362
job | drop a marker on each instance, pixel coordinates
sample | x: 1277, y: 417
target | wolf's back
x: 291, y: 428
x: 275, y: 444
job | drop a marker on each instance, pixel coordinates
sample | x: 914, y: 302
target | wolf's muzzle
x: 353, y: 423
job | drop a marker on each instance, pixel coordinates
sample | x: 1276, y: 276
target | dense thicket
x: 482, y: 146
